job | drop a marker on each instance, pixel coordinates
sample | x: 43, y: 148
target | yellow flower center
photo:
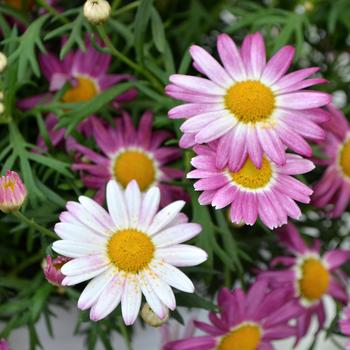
x: 252, y: 177
x: 250, y: 101
x: 130, y: 250
x: 246, y: 337
x: 344, y: 160
x: 20, y: 4
x: 135, y: 165
x: 84, y: 90
x: 9, y: 184
x: 315, y: 279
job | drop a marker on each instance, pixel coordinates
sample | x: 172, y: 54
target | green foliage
x: 148, y: 40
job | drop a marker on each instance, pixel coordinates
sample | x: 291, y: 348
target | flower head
x: 4, y: 345
x: 130, y: 251
x: 334, y: 186
x: 250, y: 106
x: 130, y: 154
x: 344, y: 324
x: 246, y: 321
x: 52, y: 269
x: 87, y: 74
x: 268, y: 192
x: 97, y: 11
x: 12, y: 192
x: 309, y: 275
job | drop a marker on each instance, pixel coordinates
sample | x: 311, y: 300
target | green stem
x: 52, y: 10
x: 101, y: 30
x: 34, y: 225
x: 125, y: 8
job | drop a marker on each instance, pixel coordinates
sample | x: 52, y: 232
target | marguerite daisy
x: 268, y: 192
x: 251, y: 106
x: 246, y: 321
x: 130, y: 154
x: 334, y: 186
x: 309, y: 275
x: 130, y: 251
x: 344, y: 325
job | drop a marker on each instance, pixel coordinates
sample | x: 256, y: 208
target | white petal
x: 78, y: 233
x: 94, y: 289
x: 173, y: 276
x: 150, y: 205
x: 162, y: 289
x: 176, y: 234
x: 116, y: 205
x: 73, y: 249
x: 72, y: 280
x: 109, y: 298
x: 151, y: 297
x: 100, y: 214
x: 133, y: 202
x: 85, y: 217
x: 131, y: 299
x: 165, y: 216
x: 182, y: 255
x: 84, y: 264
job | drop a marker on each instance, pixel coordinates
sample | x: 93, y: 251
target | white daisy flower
x: 130, y: 251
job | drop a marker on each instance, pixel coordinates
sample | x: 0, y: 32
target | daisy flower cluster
x: 96, y: 198
x: 241, y: 119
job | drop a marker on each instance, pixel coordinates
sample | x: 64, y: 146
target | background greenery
x: 150, y: 40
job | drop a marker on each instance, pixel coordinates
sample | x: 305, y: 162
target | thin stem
x: 126, y: 8
x: 52, y: 10
x: 115, y: 52
x: 33, y: 224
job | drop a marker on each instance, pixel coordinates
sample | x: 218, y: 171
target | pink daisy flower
x: 334, y: 186
x: 249, y: 105
x: 344, y: 325
x: 87, y: 72
x: 132, y: 250
x: 309, y: 275
x: 268, y: 193
x: 130, y: 154
x: 246, y: 321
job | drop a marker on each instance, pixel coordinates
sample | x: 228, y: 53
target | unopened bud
x: 3, y: 62
x: 12, y: 192
x: 52, y: 269
x: 151, y: 318
x: 97, y: 11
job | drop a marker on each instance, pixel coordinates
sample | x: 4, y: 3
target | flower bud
x: 3, y: 62
x: 97, y: 11
x: 4, y: 345
x: 12, y: 192
x: 2, y: 108
x: 52, y: 269
x: 151, y: 318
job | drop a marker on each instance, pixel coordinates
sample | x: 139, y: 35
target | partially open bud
x: 4, y: 345
x: 151, y: 318
x: 12, y: 192
x: 3, y: 62
x: 52, y: 269
x: 97, y: 11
